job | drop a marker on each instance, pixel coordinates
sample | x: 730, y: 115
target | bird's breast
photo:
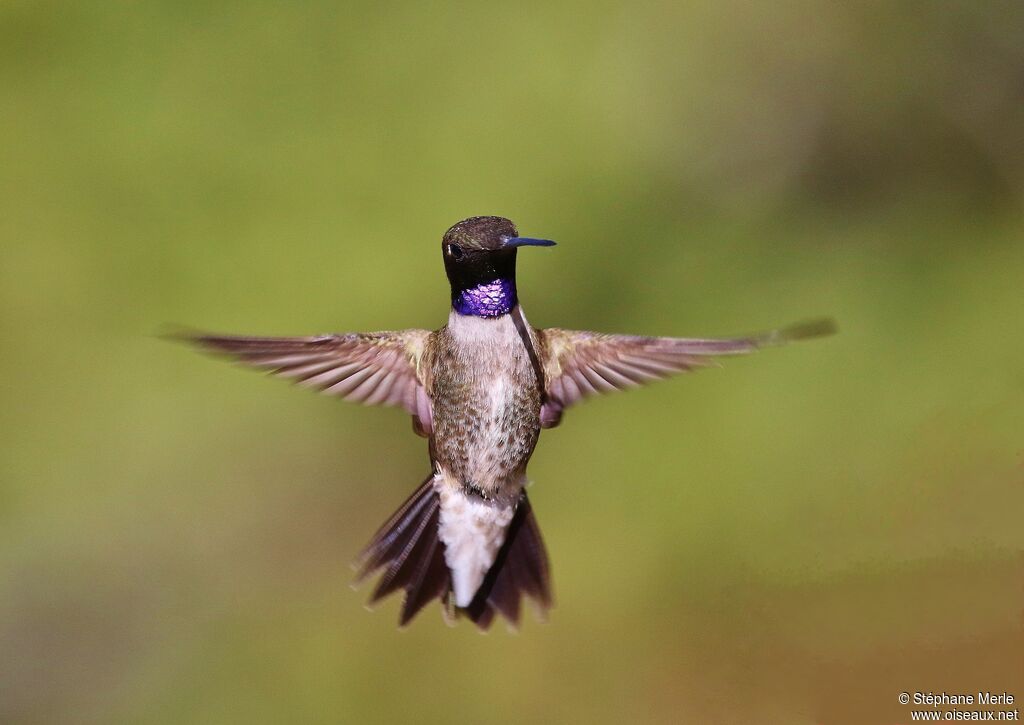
x: 486, y: 405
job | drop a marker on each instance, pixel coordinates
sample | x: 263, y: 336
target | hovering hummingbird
x: 480, y: 389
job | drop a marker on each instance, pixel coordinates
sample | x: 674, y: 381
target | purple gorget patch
x: 490, y: 299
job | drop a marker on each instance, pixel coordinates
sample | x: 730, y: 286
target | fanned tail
x: 411, y: 555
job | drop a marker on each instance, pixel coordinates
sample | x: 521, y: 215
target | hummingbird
x: 480, y: 389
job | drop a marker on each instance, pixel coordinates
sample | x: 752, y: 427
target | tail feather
x: 431, y: 581
x: 393, y: 535
x: 520, y: 568
x: 415, y: 551
x: 409, y: 551
x: 406, y: 547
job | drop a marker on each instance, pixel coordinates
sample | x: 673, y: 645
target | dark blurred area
x: 797, y: 537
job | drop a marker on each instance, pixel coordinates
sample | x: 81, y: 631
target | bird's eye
x: 455, y: 251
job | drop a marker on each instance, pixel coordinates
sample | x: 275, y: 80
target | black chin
x: 479, y: 266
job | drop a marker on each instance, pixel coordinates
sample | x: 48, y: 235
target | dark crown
x: 480, y: 232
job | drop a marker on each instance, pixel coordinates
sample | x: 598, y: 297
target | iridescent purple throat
x: 490, y: 299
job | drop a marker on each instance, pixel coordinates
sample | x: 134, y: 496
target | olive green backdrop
x: 796, y: 537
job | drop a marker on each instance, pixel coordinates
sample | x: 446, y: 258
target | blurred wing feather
x: 580, y: 364
x: 374, y: 368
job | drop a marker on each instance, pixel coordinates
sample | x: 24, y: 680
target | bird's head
x: 481, y: 251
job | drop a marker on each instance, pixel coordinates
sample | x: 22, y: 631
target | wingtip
x: 820, y: 327
x: 214, y: 343
x: 807, y: 330
x: 177, y: 333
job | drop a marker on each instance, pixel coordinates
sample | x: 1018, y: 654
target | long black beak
x: 512, y: 242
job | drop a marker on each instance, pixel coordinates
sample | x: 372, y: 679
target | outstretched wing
x: 578, y: 364
x: 373, y: 368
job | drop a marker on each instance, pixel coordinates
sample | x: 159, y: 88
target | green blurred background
x: 794, y: 538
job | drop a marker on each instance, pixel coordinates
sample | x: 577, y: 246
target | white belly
x: 472, y: 531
